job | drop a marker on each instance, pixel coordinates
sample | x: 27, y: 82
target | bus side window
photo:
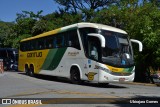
x: 33, y: 45
x: 59, y: 41
x: 28, y: 45
x: 23, y: 46
x: 49, y: 42
x: 73, y: 40
x: 65, y: 39
x: 41, y: 43
x: 69, y: 43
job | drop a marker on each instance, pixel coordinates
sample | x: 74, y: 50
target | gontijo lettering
x: 34, y: 54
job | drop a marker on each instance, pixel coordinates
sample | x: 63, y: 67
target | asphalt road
x: 60, y: 92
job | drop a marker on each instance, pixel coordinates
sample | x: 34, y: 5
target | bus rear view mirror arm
x: 100, y: 37
x: 138, y: 42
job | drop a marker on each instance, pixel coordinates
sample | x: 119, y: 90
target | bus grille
x: 120, y: 74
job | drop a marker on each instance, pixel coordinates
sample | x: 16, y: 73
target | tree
x: 25, y: 26
x: 87, y: 7
x: 29, y: 14
x: 5, y: 29
x: 61, y: 18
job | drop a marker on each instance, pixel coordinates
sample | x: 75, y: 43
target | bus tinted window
x: 49, y: 42
x: 3, y: 53
x: 59, y: 41
x: 24, y: 46
x: 83, y: 34
x: 73, y: 40
x: 40, y: 44
x: 65, y: 39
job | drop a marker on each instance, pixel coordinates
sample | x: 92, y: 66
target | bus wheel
x: 75, y: 76
x: 26, y: 70
x: 31, y: 71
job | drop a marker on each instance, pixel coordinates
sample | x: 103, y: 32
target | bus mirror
x: 138, y: 42
x: 100, y: 37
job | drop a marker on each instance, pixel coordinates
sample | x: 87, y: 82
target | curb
x: 144, y: 84
x: 158, y: 84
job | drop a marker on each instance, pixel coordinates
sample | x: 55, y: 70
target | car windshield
x: 117, y: 50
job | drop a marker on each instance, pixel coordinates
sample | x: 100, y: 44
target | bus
x: 80, y: 52
x: 10, y: 58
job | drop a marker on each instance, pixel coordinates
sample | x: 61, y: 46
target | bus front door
x: 94, y: 50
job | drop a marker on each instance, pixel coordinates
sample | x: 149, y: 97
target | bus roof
x: 74, y: 26
x: 101, y: 26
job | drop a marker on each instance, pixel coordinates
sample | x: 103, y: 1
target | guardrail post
x: 1, y: 66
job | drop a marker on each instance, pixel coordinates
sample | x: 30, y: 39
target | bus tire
x: 26, y: 70
x: 31, y: 71
x: 75, y: 76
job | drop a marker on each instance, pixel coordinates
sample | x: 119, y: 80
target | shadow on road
x: 64, y: 80
x: 103, y: 85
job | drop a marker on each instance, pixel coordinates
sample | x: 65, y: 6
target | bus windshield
x: 117, y: 51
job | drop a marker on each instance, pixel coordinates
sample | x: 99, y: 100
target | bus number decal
x: 34, y: 54
x: 73, y: 53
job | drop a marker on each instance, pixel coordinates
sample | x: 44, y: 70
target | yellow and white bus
x: 81, y: 52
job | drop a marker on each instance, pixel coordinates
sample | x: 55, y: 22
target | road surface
x: 60, y: 92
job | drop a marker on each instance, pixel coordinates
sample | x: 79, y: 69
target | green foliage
x: 141, y: 22
x: 27, y: 24
x: 39, y: 27
x: 61, y: 18
x: 5, y: 30
x: 85, y: 7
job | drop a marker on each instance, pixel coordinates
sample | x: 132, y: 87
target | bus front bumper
x: 107, y: 77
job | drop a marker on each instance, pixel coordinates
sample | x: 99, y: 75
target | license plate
x: 121, y: 79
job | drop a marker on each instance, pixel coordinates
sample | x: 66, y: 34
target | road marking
x: 61, y: 92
